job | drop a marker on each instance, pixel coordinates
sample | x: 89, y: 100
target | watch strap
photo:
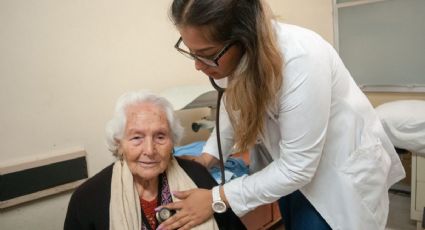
x: 216, y: 193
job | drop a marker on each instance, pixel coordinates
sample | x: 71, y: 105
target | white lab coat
x: 323, y: 138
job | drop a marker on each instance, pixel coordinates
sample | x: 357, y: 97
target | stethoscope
x: 220, y: 92
x: 165, y: 213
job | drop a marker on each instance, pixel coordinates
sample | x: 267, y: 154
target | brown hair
x: 254, y: 86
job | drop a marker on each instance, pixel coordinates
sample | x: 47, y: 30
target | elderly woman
x: 126, y: 194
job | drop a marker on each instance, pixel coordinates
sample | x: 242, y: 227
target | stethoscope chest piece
x: 163, y: 214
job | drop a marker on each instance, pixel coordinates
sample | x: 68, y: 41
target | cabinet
x: 263, y: 217
x: 418, y: 189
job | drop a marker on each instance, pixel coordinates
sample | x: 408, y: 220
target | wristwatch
x: 218, y: 204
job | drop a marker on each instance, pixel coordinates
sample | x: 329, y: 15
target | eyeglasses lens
x: 183, y: 49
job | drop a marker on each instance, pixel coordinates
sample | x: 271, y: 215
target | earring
x: 120, y: 156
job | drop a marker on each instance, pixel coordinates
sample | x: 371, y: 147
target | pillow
x: 404, y: 123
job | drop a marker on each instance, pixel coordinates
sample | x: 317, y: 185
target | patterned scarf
x: 124, y: 207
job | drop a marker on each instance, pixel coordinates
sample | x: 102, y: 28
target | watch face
x: 219, y: 206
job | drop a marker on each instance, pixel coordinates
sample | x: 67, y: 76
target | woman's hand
x: 193, y: 209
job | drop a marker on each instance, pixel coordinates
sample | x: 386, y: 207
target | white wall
x: 316, y: 15
x: 64, y: 63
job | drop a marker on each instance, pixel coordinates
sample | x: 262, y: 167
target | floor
x: 399, y: 215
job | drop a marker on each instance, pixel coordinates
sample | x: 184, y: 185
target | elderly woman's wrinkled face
x: 147, y: 141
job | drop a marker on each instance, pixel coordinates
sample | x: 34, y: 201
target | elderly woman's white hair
x: 115, y: 127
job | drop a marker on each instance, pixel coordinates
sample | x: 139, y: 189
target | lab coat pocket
x: 368, y: 167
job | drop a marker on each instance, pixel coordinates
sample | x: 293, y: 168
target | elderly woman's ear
x: 172, y: 153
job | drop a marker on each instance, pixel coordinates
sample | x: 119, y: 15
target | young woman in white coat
x: 315, y: 142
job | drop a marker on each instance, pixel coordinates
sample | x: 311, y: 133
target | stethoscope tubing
x: 220, y: 91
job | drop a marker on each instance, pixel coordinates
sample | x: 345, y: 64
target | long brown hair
x: 255, y: 84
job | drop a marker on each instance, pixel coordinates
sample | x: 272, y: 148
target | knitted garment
x: 148, y: 208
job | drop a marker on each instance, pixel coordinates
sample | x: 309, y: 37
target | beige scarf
x: 124, y: 207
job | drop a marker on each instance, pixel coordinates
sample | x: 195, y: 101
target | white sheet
x: 404, y: 123
x: 191, y: 96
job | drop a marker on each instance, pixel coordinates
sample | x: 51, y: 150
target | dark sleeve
x: 72, y: 219
x: 88, y: 208
x: 203, y: 179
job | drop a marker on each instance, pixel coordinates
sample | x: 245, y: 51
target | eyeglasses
x: 213, y: 62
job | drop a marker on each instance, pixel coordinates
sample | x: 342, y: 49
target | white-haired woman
x: 126, y: 194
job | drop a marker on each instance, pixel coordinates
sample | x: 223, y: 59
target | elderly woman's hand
x: 193, y: 209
